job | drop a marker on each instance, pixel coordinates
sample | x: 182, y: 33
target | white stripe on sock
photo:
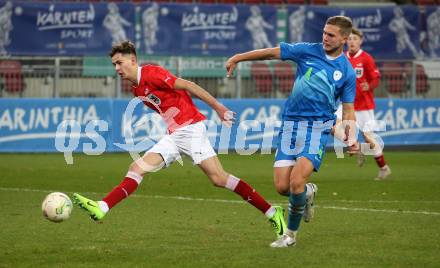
x: 270, y: 212
x: 232, y: 182
x: 133, y: 175
x: 125, y: 191
x: 103, y: 206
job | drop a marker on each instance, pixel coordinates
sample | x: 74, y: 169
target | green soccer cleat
x: 278, y: 222
x: 90, y: 206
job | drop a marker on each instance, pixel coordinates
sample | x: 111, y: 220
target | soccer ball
x: 57, y: 207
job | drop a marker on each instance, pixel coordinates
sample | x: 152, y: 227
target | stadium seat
x: 274, y: 2
x: 262, y: 78
x: 207, y: 1
x: 12, y: 76
x: 422, y: 85
x: 395, y: 77
x: 253, y: 2
x: 296, y: 2
x: 160, y: 1
x: 319, y: 2
x: 284, y: 77
x: 427, y: 2
x: 184, y: 1
x: 228, y: 1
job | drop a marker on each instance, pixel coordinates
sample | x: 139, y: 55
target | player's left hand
x: 365, y: 86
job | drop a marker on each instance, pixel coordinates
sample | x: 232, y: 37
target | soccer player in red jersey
x: 169, y: 96
x: 367, y: 79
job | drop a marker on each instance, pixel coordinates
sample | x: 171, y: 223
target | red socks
x: 248, y: 193
x: 124, y: 189
x: 380, y: 160
x: 132, y: 180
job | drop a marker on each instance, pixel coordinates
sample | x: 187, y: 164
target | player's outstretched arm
x: 258, y: 54
x: 226, y: 115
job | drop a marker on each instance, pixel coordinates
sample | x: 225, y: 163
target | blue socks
x: 297, y: 204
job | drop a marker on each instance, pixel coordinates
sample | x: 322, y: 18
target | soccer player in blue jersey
x: 324, y: 77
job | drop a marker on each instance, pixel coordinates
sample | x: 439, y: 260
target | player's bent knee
x: 282, y: 188
x: 281, y: 182
x: 134, y: 167
x: 297, y: 185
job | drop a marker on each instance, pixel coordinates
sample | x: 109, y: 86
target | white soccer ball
x: 57, y: 207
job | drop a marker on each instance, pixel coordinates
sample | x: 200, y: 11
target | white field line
x: 187, y: 198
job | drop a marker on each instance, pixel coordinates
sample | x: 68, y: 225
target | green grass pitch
x: 178, y: 219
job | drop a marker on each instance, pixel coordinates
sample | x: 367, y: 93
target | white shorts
x: 191, y: 140
x: 365, y: 119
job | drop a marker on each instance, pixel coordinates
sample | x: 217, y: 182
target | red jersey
x: 366, y: 71
x: 156, y: 89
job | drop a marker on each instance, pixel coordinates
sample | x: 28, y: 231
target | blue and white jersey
x: 320, y: 82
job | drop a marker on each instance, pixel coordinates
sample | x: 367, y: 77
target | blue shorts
x: 302, y: 139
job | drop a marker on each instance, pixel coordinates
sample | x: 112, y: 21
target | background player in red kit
x: 367, y: 79
x: 169, y: 96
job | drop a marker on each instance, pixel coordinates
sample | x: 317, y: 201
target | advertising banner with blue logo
x: 206, y: 29
x: 97, y: 125
x: 31, y: 125
x: 397, y: 27
x: 64, y: 29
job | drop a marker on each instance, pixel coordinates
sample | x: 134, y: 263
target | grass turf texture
x: 359, y: 222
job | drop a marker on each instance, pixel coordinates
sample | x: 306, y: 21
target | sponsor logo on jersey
x: 154, y: 99
x: 359, y: 72
x: 337, y: 75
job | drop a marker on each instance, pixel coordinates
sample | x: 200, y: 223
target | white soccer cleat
x: 384, y: 172
x: 309, y: 210
x: 283, y: 241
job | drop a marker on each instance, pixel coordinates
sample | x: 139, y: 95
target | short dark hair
x: 357, y: 32
x: 126, y: 47
x: 343, y: 22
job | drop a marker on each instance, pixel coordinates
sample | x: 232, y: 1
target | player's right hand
x: 227, y: 116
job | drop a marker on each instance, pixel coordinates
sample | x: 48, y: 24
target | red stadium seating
x: 395, y: 76
x: 253, y: 2
x: 427, y: 2
x: 422, y: 85
x: 12, y: 76
x: 319, y: 2
x: 296, y: 2
x: 274, y: 2
x: 228, y: 1
x: 262, y: 78
x: 284, y: 77
x: 184, y: 1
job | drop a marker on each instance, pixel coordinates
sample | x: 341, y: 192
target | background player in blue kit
x: 324, y: 76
